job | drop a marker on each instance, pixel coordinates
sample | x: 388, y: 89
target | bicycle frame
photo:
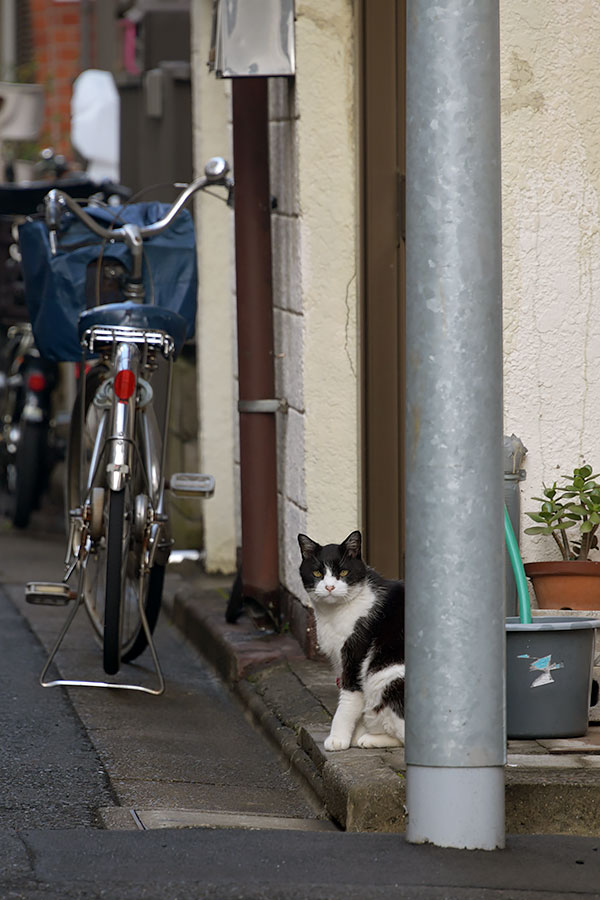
x: 122, y: 427
x: 129, y: 427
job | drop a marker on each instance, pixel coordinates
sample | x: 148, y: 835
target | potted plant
x: 553, y: 654
x: 570, y: 514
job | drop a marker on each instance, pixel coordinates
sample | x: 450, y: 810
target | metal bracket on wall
x: 262, y: 406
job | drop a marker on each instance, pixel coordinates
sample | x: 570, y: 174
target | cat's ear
x: 352, y: 545
x: 307, y: 546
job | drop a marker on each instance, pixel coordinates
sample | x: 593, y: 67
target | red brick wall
x: 57, y: 51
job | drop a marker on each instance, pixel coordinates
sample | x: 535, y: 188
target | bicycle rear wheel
x: 115, y: 554
x: 111, y: 579
x: 124, y: 637
x: 111, y: 586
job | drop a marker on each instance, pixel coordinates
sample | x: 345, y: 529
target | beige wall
x: 313, y: 172
x: 314, y: 169
x: 551, y: 179
x: 215, y: 324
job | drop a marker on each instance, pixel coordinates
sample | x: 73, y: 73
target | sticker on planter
x: 544, y: 666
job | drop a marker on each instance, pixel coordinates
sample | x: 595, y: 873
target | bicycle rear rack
x: 102, y: 336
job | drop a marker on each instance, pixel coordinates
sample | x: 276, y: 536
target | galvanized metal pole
x: 455, y: 741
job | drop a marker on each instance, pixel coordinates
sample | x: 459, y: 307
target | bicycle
x: 119, y: 542
x: 27, y: 447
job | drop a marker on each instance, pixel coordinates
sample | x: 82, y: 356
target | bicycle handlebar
x: 215, y: 173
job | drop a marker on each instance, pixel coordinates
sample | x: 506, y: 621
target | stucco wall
x: 314, y: 228
x: 215, y: 324
x: 314, y: 145
x: 551, y: 179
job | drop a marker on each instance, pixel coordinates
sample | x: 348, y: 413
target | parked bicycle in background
x: 27, y: 452
x: 32, y: 428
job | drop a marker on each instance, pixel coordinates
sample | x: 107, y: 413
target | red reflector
x: 124, y: 384
x: 36, y: 382
x: 87, y: 368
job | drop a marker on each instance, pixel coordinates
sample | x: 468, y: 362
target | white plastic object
x: 95, y: 123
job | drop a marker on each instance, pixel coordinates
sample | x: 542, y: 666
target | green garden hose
x: 518, y: 570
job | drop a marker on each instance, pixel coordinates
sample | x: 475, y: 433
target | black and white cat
x: 360, y: 627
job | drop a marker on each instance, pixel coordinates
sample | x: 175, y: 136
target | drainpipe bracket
x: 262, y: 406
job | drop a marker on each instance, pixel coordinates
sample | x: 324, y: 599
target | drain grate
x: 150, y: 819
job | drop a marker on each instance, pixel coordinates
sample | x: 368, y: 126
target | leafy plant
x: 570, y: 514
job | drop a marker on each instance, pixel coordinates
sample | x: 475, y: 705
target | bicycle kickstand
x: 49, y: 593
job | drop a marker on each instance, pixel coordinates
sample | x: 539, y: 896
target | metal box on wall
x: 253, y: 38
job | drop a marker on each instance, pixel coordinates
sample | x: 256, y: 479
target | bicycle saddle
x: 136, y: 315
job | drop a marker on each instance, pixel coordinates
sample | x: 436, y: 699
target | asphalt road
x: 92, y: 781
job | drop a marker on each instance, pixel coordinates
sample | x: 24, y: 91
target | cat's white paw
x: 369, y: 741
x: 336, y: 743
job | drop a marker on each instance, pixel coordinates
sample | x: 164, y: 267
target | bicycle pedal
x: 190, y: 484
x: 48, y: 593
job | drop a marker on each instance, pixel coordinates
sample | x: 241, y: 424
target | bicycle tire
x: 111, y: 646
x: 30, y: 459
x: 114, y: 652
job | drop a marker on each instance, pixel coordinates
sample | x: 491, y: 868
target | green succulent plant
x: 570, y: 514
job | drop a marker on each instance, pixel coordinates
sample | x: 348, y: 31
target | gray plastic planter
x: 548, y: 676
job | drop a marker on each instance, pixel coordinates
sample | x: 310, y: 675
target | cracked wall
x: 314, y: 150
x: 313, y: 153
x: 551, y: 246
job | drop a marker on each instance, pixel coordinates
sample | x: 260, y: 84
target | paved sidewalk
x: 552, y: 786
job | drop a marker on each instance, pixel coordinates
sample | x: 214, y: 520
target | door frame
x: 382, y: 78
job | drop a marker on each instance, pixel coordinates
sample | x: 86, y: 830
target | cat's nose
x: 330, y: 587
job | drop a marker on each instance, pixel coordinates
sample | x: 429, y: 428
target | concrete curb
x: 551, y: 786
x: 360, y: 789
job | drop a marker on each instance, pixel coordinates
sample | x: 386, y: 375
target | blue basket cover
x: 55, y: 286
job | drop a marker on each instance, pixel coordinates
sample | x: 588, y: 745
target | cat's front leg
x: 348, y: 712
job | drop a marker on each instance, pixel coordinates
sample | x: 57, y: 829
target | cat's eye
x: 343, y: 573
x: 317, y: 574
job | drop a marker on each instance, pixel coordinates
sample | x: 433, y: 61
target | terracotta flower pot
x: 565, y: 585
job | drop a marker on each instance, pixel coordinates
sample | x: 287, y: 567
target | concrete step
x: 552, y: 787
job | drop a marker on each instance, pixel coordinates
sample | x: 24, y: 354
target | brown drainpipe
x: 258, y: 453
